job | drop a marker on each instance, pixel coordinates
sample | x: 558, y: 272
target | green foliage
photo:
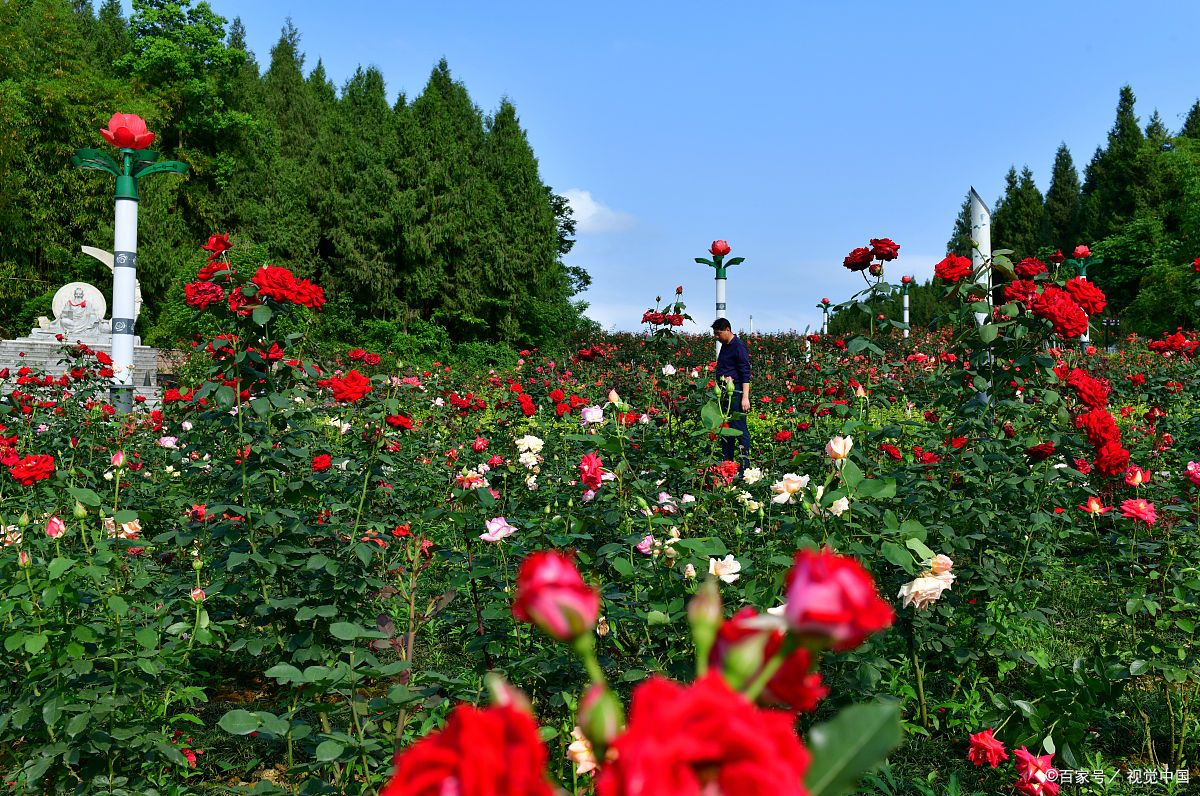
x: 423, y: 212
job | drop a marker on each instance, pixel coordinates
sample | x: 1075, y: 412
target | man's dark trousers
x: 731, y: 405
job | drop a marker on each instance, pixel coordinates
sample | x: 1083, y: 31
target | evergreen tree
x: 111, y: 37
x: 1156, y: 132
x: 1000, y: 210
x: 1114, y: 175
x: 1060, y: 219
x: 960, y: 238
x: 1191, y: 125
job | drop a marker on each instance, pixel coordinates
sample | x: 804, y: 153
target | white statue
x: 78, y: 313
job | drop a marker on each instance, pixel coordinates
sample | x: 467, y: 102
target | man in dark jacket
x: 733, y: 363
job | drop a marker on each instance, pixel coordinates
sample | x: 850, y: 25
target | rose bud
x: 906, y: 280
x: 23, y: 559
x: 80, y: 511
x: 55, y: 527
x: 505, y: 694
x: 719, y: 248
x: 23, y: 520
x: 705, y: 616
x: 551, y: 594
x: 198, y: 595
x: 825, y: 301
x: 601, y: 717
x: 127, y: 131
x: 875, y: 269
x: 1082, y: 251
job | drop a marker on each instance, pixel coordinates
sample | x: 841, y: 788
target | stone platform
x: 45, y: 354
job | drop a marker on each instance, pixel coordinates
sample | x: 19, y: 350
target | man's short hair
x: 721, y: 324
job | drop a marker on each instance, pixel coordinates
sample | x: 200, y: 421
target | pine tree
x: 1115, y: 175
x: 1156, y: 132
x: 960, y: 238
x: 1060, y: 219
x: 1000, y: 211
x: 111, y: 36
x: 1191, y: 125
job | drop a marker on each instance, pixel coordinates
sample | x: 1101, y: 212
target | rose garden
x: 963, y: 559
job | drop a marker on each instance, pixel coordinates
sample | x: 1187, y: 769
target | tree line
x: 1136, y: 206
x: 424, y: 213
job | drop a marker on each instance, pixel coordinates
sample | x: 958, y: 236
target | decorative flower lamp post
x: 905, y: 283
x: 824, y: 308
x: 128, y: 133
x: 718, y: 250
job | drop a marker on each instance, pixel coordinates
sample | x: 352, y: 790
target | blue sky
x: 794, y: 130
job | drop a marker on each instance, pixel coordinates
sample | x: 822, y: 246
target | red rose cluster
x: 350, y: 388
x: 1057, y: 306
x: 1036, y: 775
x: 680, y: 740
x: 655, y: 318
x: 269, y: 282
x: 882, y: 249
x: 1176, y: 343
x: 32, y: 469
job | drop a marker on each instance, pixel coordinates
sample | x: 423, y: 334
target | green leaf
x: 854, y: 742
x: 239, y: 722
x: 285, y: 673
x: 78, y: 723
x: 898, y: 556
x: 262, y: 314
x: 36, y: 642
x: 711, y: 416
x: 58, y: 566
x: 147, y: 637
x: 654, y: 618
x: 1138, y: 667
x: 125, y: 515
x: 988, y: 332
x: 851, y: 474
x: 117, y: 604
x: 85, y: 496
x: 919, y: 547
x: 329, y: 750
x: 347, y: 631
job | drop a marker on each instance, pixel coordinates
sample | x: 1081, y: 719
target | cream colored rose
x: 788, y: 487
x: 726, y: 569
x: 941, y: 563
x: 925, y: 590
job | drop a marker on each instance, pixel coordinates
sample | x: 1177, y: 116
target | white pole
x: 825, y: 323
x: 751, y: 324
x: 981, y: 233
x: 905, y: 314
x: 124, y: 301
x: 720, y: 305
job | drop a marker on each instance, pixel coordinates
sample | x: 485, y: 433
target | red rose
x: 1087, y: 295
x: 349, y: 388
x: 399, y: 421
x: 1092, y: 392
x: 891, y: 450
x: 832, y: 599
x: 551, y: 594
x: 1040, y: 452
x: 719, y: 248
x: 1057, y: 257
x: 210, y: 270
x: 32, y: 469
x: 103, y: 358
x: 491, y: 751
x: 1082, y: 251
x: 884, y: 249
x: 201, y: 294
x: 986, y: 748
x: 1111, y: 459
x: 306, y: 294
x: 321, y: 463
x: 1020, y: 291
x: 591, y: 469
x: 717, y: 742
x: 238, y: 303
x: 274, y: 282
x: 217, y: 244
x: 906, y: 280
x: 1196, y: 265
x: 127, y: 131
x: 1030, y: 267
x: 1068, y: 318
x: 858, y: 259
x: 794, y: 685
x: 1038, y: 776
x: 953, y: 268
x: 356, y: 354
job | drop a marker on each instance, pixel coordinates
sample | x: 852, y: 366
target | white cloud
x: 593, y: 216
